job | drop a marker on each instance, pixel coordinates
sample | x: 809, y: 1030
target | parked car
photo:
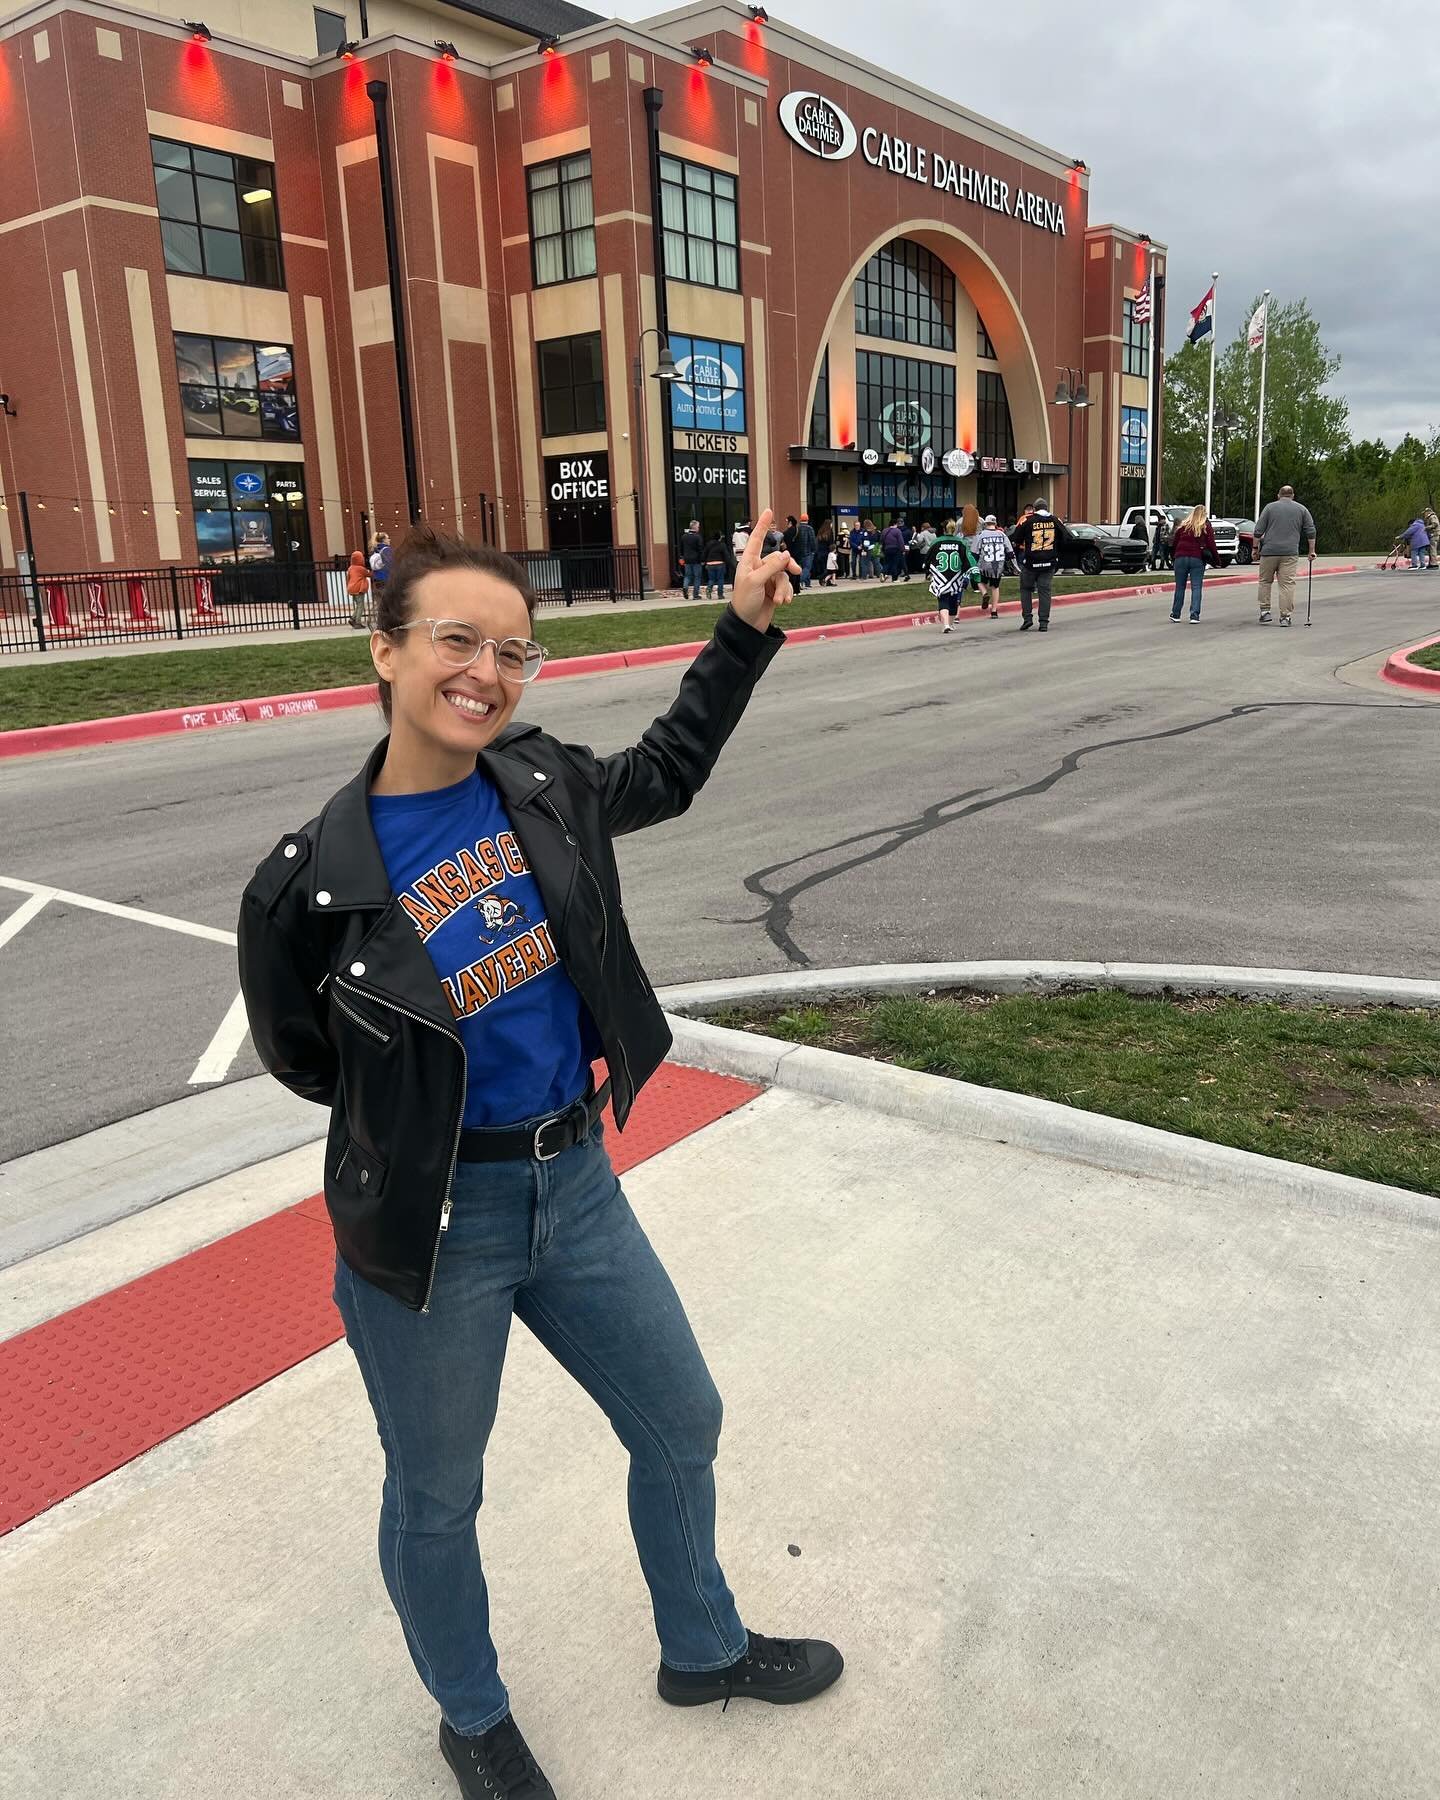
x: 1227, y: 539
x: 1100, y: 547
x: 1245, y: 531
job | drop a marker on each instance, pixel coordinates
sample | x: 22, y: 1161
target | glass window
x: 820, y: 411
x: 709, y: 392
x: 1136, y: 354
x: 562, y: 220
x: 993, y: 432
x: 984, y: 349
x: 572, y: 385
x: 1134, y: 435
x: 701, y: 221
x: 217, y: 214
x: 233, y: 389
x: 907, y: 294
x: 331, y: 32
x: 903, y: 404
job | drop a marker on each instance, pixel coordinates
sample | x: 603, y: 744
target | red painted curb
x: 84, y: 732
x: 1399, y: 669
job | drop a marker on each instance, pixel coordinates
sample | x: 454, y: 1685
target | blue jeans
x: 1191, y: 569
x: 556, y: 1244
x: 1419, y: 555
x: 715, y: 577
x: 691, y: 583
x: 894, y: 564
x: 806, y: 564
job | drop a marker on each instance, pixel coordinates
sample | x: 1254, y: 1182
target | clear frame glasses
x: 458, y: 645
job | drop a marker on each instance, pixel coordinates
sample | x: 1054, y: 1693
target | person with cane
x: 1279, y: 530
x: 440, y: 958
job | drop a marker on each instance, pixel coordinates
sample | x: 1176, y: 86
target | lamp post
x: 666, y: 371
x: 1226, y: 422
x: 1070, y: 392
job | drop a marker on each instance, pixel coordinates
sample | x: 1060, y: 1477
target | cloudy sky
x: 1290, y: 146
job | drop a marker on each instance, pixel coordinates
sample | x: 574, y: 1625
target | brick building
x: 869, y: 292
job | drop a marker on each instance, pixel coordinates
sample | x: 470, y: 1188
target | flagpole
x: 1210, y: 415
x: 1150, y: 397
x: 1260, y: 422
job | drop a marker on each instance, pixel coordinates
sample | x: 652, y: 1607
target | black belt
x: 544, y: 1141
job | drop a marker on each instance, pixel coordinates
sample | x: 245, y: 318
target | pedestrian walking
x: 717, y: 563
x: 1039, y: 540
x: 892, y: 543
x: 992, y: 549
x: 1279, y: 531
x: 804, y: 549
x: 1192, y: 548
x: 357, y: 586
x: 381, y: 557
x: 1432, y: 528
x: 792, y: 526
x: 1160, y: 547
x: 947, y: 573
x: 422, y: 960
x: 1418, y: 540
x: 692, y: 558
x: 864, y: 551
x: 827, y: 555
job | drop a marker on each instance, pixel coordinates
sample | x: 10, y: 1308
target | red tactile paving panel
x: 88, y: 1391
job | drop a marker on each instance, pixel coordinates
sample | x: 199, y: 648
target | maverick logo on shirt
x: 456, y: 881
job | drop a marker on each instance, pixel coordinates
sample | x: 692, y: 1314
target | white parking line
x: 214, y: 1065
x: 163, y: 920
x: 22, y: 915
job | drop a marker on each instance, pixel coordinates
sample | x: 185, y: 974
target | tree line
x: 1361, y: 492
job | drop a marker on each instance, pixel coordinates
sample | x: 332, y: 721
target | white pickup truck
x: 1227, y: 538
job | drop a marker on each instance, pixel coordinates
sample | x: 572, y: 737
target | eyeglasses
x: 458, y: 645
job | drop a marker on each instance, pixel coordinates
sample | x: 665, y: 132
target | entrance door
x: 999, y: 494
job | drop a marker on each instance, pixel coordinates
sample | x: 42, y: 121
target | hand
x: 762, y: 582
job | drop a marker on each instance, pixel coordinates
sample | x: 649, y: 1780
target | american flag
x: 1141, y: 310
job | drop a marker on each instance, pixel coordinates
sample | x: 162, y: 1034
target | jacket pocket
x: 359, y: 1173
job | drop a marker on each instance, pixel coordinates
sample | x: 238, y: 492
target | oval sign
x: 958, y: 463
x: 870, y: 458
x: 818, y: 125
x: 927, y: 460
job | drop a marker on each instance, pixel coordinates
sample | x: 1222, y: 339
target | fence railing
x: 123, y: 606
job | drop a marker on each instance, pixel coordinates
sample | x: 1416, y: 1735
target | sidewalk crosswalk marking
x: 139, y: 914
x: 22, y: 915
x: 214, y: 1065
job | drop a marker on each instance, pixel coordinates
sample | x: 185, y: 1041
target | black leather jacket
x: 346, y: 1008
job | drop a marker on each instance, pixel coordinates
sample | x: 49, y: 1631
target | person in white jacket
x: 992, y: 550
x: 739, y: 538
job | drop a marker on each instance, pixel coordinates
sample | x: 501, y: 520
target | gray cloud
x: 1296, y: 148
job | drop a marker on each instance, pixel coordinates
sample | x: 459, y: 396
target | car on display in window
x: 1100, y: 547
x: 1227, y: 539
x: 1245, y: 531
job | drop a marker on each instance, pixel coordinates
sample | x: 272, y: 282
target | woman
x: 842, y: 553
x: 827, y: 558
x: 440, y: 957
x: 992, y: 550
x: 717, y: 565
x: 357, y: 586
x: 1192, y: 545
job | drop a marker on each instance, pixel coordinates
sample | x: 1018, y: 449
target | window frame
x: 324, y: 12
x: 708, y: 190
x: 984, y: 347
x: 567, y: 233
x: 263, y: 172
x: 1134, y: 342
x: 991, y: 408
x: 727, y: 399
x: 926, y: 382
x: 904, y: 286
x: 1127, y: 414
x: 218, y: 388
x: 593, y: 385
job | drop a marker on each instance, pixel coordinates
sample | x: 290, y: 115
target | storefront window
x: 904, y: 403
x: 906, y: 293
x: 820, y: 412
x: 714, y: 489
x: 913, y: 496
x: 992, y: 416
x: 702, y: 228
x: 984, y: 349
x: 572, y: 385
x: 233, y: 389
x: 249, y: 512
x: 562, y: 220
x: 709, y: 393
x: 217, y: 214
x: 1133, y: 436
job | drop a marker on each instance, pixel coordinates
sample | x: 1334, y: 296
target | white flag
x: 1259, y: 319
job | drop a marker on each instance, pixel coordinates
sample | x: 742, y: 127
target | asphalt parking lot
x: 1122, y: 789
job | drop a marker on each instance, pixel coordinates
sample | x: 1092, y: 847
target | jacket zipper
x: 453, y: 1038
x: 570, y: 838
x: 364, y: 1024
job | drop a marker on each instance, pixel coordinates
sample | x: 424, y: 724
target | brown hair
x: 969, y: 520
x: 422, y: 550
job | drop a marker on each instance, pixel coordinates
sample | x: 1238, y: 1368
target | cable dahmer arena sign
x: 823, y: 129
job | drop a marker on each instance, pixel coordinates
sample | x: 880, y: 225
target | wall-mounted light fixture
x: 548, y: 46
x: 6, y: 408
x: 348, y: 51
x: 759, y: 15
x: 448, y: 52
x: 702, y: 55
x: 198, y: 30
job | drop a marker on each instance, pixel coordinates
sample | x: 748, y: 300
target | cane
x: 1310, y: 591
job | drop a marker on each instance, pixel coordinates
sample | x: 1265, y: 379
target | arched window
x: 908, y: 295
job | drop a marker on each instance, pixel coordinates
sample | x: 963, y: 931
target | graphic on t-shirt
x: 470, y: 990
x: 498, y: 915
x: 456, y: 881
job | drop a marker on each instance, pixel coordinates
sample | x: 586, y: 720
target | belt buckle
x: 540, y: 1130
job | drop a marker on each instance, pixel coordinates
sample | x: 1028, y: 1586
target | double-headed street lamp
x: 1070, y: 392
x: 666, y: 371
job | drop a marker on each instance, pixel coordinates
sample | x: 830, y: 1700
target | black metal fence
x: 122, y: 606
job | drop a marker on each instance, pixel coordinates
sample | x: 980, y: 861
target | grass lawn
x: 60, y: 689
x: 1354, y: 1090
x: 1428, y: 658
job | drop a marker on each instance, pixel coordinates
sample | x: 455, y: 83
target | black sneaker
x: 1025, y: 624
x: 783, y: 1671
x: 1044, y: 627
x: 497, y: 1765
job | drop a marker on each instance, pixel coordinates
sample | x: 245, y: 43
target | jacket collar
x: 347, y: 866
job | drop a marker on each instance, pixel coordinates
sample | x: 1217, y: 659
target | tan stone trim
x: 563, y: 143
x: 698, y: 153
x: 745, y: 244
x: 617, y: 218
x: 209, y: 137
x: 89, y: 416
x: 229, y: 309
x: 533, y: 503
x: 357, y: 151
x: 576, y: 443
x: 140, y: 303
x: 760, y: 495
x: 243, y: 450
x: 305, y: 243
x: 69, y: 206
x: 326, y: 448
x: 622, y: 460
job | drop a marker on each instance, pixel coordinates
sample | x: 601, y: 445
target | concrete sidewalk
x: 1104, y: 1485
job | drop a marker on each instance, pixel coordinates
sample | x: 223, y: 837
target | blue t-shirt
x: 458, y: 870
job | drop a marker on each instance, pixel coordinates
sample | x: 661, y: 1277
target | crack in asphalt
x: 779, y: 903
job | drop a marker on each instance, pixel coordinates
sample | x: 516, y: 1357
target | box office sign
x: 578, y: 480
x: 823, y: 129
x: 710, y: 474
